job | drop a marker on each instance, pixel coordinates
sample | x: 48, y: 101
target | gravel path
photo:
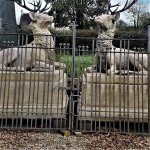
x: 27, y: 140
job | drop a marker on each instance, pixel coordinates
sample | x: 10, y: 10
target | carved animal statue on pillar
x: 117, y: 58
x: 40, y: 53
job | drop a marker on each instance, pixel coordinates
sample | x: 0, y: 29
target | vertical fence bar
x: 72, y: 76
x: 0, y: 25
x: 149, y: 79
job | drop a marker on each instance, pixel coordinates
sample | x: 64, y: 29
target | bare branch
x: 37, y: 6
x: 111, y: 6
x: 126, y: 6
x: 45, y: 7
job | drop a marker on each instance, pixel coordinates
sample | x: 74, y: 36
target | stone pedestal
x: 33, y: 94
x: 114, y: 97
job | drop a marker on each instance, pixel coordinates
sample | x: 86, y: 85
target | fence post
x: 73, y: 51
x: 0, y: 25
x: 149, y: 79
x: 72, y: 76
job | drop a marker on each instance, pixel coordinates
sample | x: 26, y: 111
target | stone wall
x: 114, y: 97
x: 33, y: 94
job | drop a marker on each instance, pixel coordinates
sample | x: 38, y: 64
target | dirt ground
x: 31, y: 140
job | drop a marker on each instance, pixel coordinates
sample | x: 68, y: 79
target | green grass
x: 81, y: 62
x: 21, y: 145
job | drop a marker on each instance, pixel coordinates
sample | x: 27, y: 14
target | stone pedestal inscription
x: 114, y: 97
x: 33, y: 94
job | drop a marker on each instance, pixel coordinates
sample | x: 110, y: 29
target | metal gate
x: 79, y: 97
x: 109, y: 103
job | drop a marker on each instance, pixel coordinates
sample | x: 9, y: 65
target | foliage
x: 64, y: 36
x: 81, y: 62
x: 87, y: 33
x: 82, y: 11
x: 122, y: 25
x: 145, y: 20
x: 136, y: 13
x: 84, y: 37
x: 137, y: 39
x: 24, y: 35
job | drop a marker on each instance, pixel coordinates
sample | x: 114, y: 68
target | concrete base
x: 33, y: 94
x: 114, y: 97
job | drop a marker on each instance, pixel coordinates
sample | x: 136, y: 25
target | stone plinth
x: 33, y: 94
x: 114, y: 97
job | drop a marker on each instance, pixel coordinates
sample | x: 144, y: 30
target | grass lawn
x: 81, y: 62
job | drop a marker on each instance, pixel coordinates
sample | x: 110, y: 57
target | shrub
x: 136, y: 39
x: 66, y: 37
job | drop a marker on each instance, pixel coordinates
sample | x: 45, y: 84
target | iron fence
x: 82, y: 96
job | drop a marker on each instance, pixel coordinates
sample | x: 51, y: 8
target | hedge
x: 138, y: 39
x: 66, y: 37
x: 135, y: 39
